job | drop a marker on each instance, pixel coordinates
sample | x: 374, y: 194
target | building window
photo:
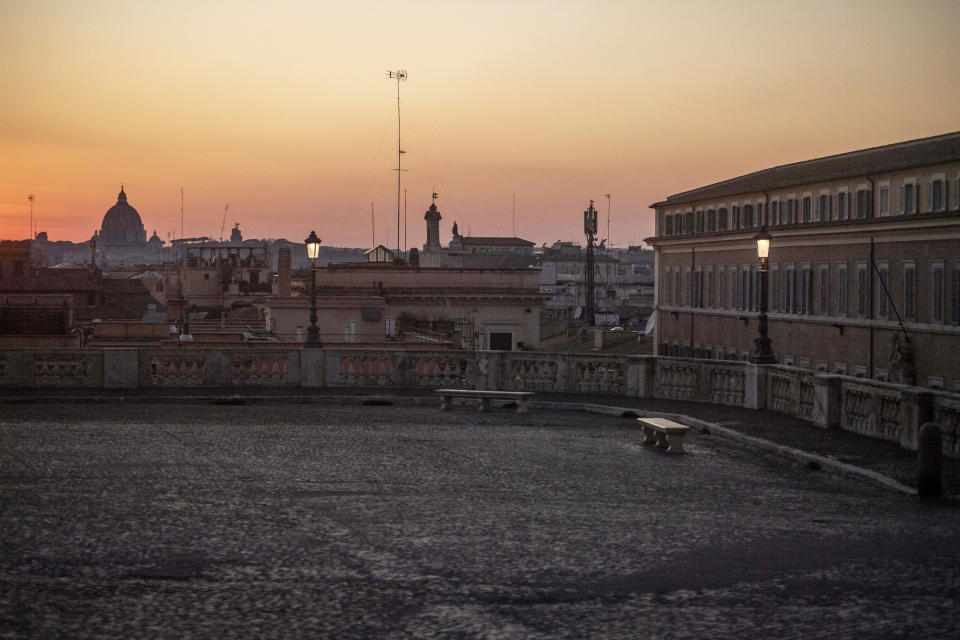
x: 666, y: 286
x: 955, y: 293
x: 804, y: 290
x: 744, y: 288
x: 676, y: 288
x: 699, y: 221
x: 909, y: 291
x: 843, y: 205
x: 748, y: 215
x: 863, y: 203
x: 883, y: 291
x: 909, y: 198
x: 788, y: 289
x: 863, y: 293
x: 824, y: 290
x: 698, y: 292
x: 937, y: 291
x: 668, y: 225
x: 790, y: 206
x: 823, y: 207
x: 775, y: 288
x: 733, y: 288
x: 688, y: 222
x: 938, y: 200
x: 758, y: 213
x: 775, y: 213
x: 722, y: 219
x: 842, y: 290
x: 737, y: 223
x: 721, y: 289
x: 884, y: 200
x: 806, y: 209
x: 710, y: 285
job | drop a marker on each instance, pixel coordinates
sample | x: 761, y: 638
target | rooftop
x: 863, y: 162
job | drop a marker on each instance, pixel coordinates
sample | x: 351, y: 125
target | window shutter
x: 903, y: 198
x: 916, y: 196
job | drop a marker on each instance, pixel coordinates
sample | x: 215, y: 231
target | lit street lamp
x: 313, y: 250
x: 762, y: 353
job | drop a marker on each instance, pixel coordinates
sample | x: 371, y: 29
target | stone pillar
x: 494, y: 365
x: 929, y: 461
x: 917, y: 408
x: 121, y: 368
x: 826, y: 401
x: 755, y: 386
x: 640, y: 376
x: 313, y: 367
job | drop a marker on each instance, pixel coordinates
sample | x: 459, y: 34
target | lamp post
x: 313, y: 250
x: 762, y: 353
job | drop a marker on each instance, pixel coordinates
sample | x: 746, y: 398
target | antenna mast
x: 590, y: 230
x: 404, y: 219
x: 222, y: 224
x: 607, y: 196
x: 181, y: 225
x: 30, y: 198
x: 373, y: 229
x: 399, y: 75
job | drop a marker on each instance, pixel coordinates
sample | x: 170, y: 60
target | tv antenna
x: 607, y: 196
x: 223, y: 224
x: 399, y: 75
x: 30, y: 198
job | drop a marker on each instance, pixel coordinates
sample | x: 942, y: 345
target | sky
x: 517, y: 113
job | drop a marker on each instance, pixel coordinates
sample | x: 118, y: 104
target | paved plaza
x: 334, y: 521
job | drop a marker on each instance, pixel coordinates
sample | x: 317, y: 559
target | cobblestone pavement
x: 887, y: 458
x: 326, y: 521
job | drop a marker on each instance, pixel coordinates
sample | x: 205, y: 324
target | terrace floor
x: 330, y: 520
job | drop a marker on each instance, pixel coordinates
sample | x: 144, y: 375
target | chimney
x: 283, y: 272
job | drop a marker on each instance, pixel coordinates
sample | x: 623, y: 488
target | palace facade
x: 864, y: 266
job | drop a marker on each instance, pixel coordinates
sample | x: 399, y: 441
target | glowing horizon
x: 285, y: 113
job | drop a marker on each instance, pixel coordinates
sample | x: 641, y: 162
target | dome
x: 122, y: 224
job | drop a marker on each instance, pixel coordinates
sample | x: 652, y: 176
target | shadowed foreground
x: 330, y: 521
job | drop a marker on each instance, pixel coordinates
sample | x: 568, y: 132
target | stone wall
x: 877, y: 409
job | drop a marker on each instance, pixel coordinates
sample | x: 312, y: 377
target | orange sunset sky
x: 282, y: 109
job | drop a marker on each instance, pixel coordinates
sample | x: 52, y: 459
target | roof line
x: 846, y: 154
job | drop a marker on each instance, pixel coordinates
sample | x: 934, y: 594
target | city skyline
x: 285, y: 113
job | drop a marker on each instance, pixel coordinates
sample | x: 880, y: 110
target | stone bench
x: 520, y: 397
x: 665, y: 434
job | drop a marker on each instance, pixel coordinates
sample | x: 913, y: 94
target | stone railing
x: 791, y: 391
x: 877, y: 409
x: 946, y: 413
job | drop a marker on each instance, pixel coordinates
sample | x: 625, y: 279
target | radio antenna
x: 607, y: 196
x: 399, y: 75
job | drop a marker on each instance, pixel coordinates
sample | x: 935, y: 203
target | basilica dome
x: 122, y: 224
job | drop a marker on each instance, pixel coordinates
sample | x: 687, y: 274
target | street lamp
x: 762, y: 353
x: 313, y: 250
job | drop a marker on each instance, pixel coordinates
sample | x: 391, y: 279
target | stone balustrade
x: 877, y: 409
